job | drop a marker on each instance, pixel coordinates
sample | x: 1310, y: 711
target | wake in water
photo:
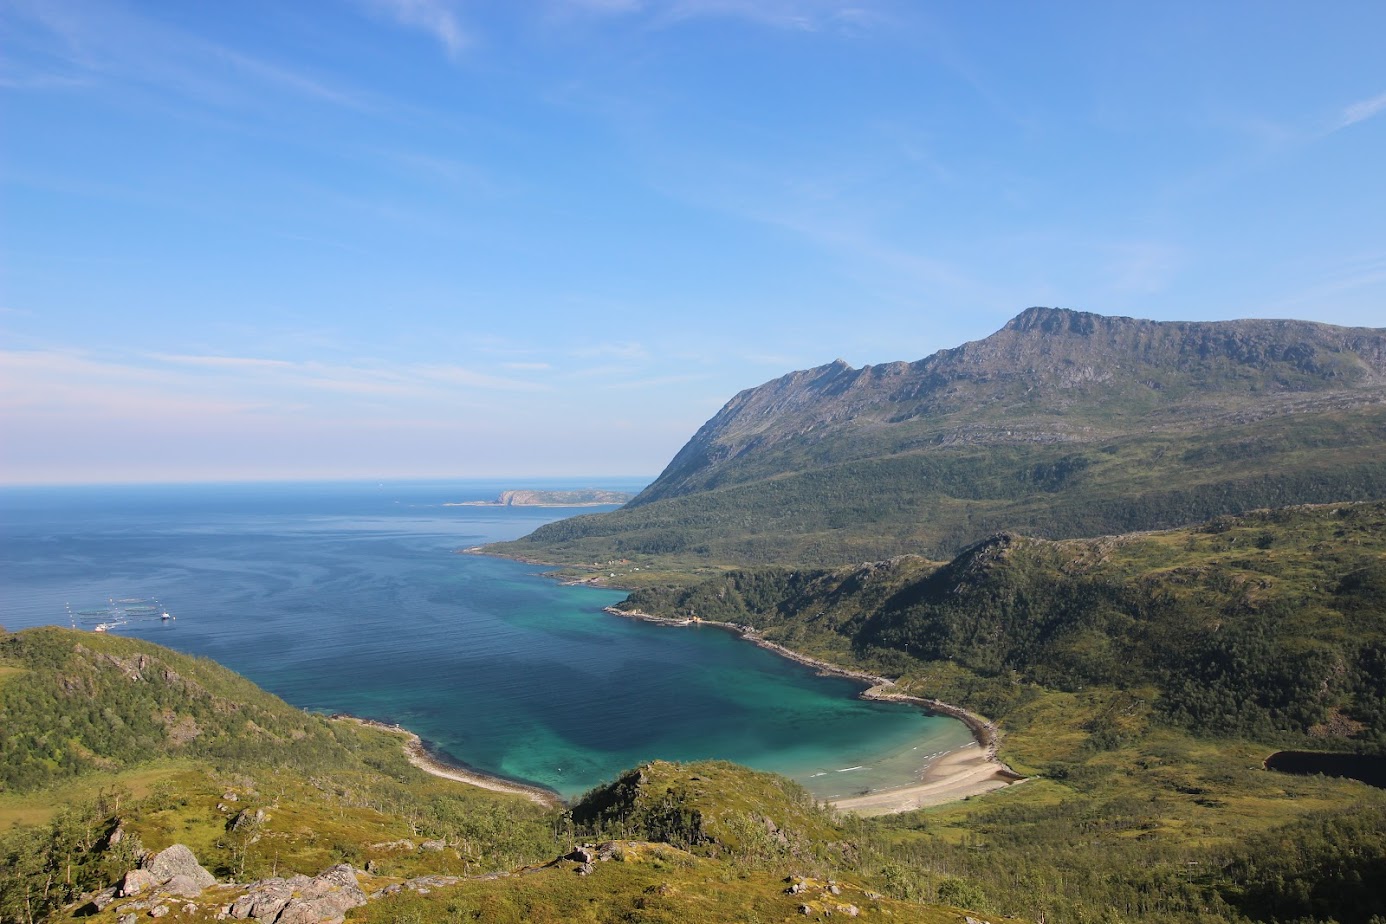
x: 118, y: 613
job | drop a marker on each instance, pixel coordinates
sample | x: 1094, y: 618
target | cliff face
x: 1049, y: 376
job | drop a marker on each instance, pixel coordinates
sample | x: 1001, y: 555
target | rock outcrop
x: 177, y: 870
x: 322, y: 899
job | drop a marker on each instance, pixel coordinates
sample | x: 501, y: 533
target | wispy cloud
x: 1362, y: 110
x: 66, y: 381
x: 435, y: 17
x: 222, y: 362
x: 793, y: 15
x: 105, y: 43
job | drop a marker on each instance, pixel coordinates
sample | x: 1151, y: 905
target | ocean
x: 354, y: 597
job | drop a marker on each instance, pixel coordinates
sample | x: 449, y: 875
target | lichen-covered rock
x: 264, y: 900
x: 326, y: 899
x: 178, y: 860
x: 182, y: 885
x: 299, y: 900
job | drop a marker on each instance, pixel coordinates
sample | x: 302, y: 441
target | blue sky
x: 386, y: 238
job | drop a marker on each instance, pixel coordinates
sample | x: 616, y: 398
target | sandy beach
x: 418, y: 756
x: 968, y: 771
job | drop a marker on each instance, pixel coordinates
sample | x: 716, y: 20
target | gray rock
x: 182, y: 885
x: 264, y: 900
x: 127, y: 919
x: 103, y: 898
x: 579, y: 855
x: 432, y: 882
x: 158, y: 911
x: 327, y: 898
x: 432, y: 845
x: 137, y: 881
x: 247, y: 817
x: 395, y: 845
x: 178, y: 860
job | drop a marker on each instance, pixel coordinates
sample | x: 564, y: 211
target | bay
x: 353, y: 597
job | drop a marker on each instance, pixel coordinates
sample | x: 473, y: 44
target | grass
x: 38, y: 807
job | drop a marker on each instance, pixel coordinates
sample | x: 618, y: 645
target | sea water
x: 357, y: 598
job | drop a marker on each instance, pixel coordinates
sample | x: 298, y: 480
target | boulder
x: 137, y: 881
x: 247, y: 817
x: 178, y: 860
x: 182, y: 885
x: 327, y: 898
x: 264, y: 900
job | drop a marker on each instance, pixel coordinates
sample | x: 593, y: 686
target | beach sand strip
x: 418, y: 755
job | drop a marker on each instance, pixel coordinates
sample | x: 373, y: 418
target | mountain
x: 1063, y: 423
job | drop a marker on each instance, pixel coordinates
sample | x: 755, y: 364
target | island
x: 585, y: 498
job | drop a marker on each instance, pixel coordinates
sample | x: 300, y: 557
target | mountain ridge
x: 1061, y: 424
x: 1048, y: 348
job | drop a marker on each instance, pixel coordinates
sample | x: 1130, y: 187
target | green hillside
x: 1062, y: 424
x: 1270, y: 626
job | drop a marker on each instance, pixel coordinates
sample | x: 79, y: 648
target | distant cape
x: 525, y: 498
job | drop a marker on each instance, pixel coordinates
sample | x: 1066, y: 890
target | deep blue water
x: 353, y: 598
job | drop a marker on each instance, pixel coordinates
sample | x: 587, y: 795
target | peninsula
x: 525, y: 498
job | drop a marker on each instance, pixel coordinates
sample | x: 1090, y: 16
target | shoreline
x: 418, y: 755
x: 967, y: 771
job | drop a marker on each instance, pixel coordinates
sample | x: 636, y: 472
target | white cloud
x: 1362, y: 110
x: 432, y: 16
x: 793, y: 15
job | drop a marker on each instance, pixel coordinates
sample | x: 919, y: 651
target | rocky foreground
x: 172, y: 881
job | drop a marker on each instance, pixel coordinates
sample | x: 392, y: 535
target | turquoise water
x: 353, y: 598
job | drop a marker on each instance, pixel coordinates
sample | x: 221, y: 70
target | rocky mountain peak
x: 1049, y: 376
